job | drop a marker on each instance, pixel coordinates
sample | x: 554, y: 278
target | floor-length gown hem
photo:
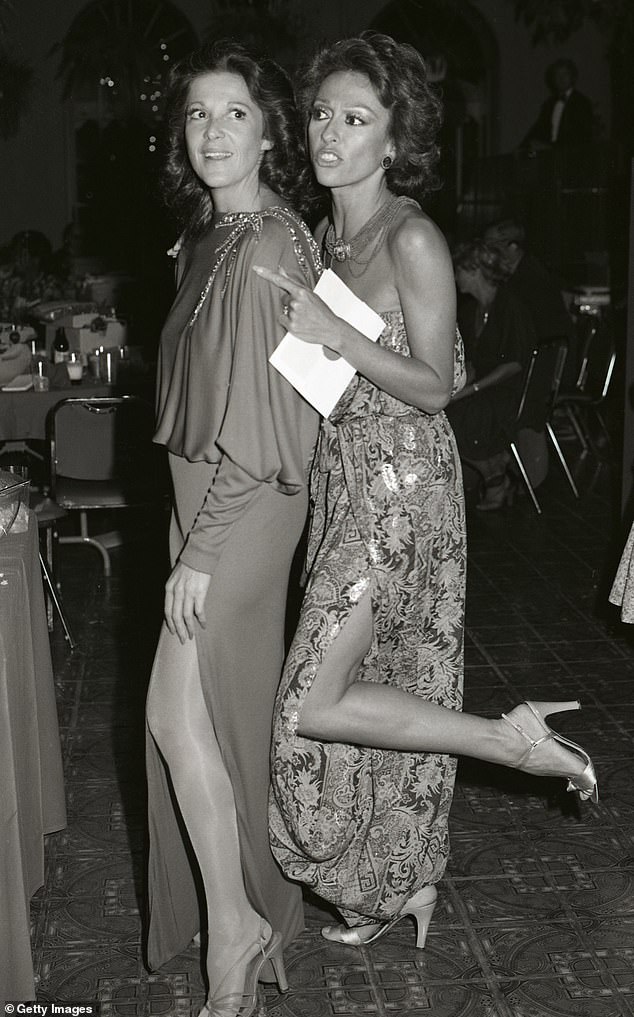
x: 250, y: 581
x: 366, y: 828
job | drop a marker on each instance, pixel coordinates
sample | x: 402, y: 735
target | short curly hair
x: 477, y: 254
x: 398, y: 75
x: 284, y: 167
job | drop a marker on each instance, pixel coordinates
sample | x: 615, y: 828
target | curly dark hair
x: 488, y: 258
x: 398, y: 75
x: 505, y: 231
x: 563, y: 64
x: 284, y: 167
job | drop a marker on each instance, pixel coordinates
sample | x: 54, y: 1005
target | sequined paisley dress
x: 622, y: 592
x: 366, y: 828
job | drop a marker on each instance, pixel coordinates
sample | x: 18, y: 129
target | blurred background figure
x: 499, y: 337
x: 25, y: 276
x: 63, y: 261
x: 530, y: 281
x: 15, y: 357
x: 566, y: 117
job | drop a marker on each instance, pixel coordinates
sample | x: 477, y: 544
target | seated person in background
x: 25, y: 278
x: 482, y: 415
x: 15, y: 358
x: 62, y: 262
x: 530, y: 281
x: 566, y: 117
x: 29, y: 253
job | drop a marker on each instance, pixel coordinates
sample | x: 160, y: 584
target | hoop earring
x: 386, y: 162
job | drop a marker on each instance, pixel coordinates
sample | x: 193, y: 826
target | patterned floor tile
x: 581, y: 993
x: 90, y: 975
x: 536, y: 912
x: 103, y: 817
x: 526, y: 897
x: 98, y: 754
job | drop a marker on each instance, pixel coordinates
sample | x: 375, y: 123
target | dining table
x: 32, y: 801
x: 23, y: 414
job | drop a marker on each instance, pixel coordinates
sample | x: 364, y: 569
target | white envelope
x: 307, y: 366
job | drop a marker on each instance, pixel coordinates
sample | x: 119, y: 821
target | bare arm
x: 426, y: 292
x: 426, y: 289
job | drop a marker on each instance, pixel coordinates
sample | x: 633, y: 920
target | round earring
x: 386, y: 162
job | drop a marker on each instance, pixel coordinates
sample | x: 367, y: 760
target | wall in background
x: 34, y: 165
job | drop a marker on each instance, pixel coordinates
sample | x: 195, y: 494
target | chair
x: 597, y: 360
x: 102, y: 457
x: 536, y: 404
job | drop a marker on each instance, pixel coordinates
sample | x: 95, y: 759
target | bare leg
x: 339, y: 708
x: 183, y: 731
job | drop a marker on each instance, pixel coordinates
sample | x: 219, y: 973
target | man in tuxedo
x: 566, y: 117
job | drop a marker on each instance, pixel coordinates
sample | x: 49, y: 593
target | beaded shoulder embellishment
x: 239, y: 223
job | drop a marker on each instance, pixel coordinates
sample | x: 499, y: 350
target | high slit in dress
x: 365, y: 828
x: 240, y: 441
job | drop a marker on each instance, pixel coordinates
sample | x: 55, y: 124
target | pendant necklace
x: 376, y: 226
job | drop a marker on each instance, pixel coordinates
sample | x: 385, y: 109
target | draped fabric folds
x: 216, y: 391
x: 240, y: 440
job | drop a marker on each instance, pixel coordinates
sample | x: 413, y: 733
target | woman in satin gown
x: 367, y: 723
x: 239, y: 440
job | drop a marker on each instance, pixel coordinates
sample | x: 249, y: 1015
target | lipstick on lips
x: 326, y: 157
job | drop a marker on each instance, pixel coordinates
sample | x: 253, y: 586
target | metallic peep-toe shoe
x: 420, y: 907
x: 586, y: 781
x: 243, y: 1004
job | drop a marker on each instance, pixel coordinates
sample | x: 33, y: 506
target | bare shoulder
x: 415, y: 238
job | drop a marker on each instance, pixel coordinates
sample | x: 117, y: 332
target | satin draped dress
x: 240, y: 442
x: 365, y: 828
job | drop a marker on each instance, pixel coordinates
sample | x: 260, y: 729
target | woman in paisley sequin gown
x: 240, y: 440
x: 367, y: 721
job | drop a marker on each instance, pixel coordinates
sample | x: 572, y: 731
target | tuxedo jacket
x: 575, y: 126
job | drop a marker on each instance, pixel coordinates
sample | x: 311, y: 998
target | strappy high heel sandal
x: 420, y: 907
x: 586, y: 781
x: 243, y: 1004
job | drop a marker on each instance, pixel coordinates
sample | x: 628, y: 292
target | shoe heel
x: 276, y: 957
x: 423, y: 919
x: 422, y: 915
x: 546, y: 709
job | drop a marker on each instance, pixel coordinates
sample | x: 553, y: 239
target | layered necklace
x: 376, y: 227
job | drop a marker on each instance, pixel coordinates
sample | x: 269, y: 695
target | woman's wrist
x: 344, y: 341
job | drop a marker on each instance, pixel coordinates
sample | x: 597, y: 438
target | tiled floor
x: 536, y: 913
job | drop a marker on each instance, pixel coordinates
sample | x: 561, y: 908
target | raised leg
x: 340, y: 708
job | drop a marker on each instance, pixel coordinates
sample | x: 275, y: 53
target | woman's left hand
x: 305, y: 315
x: 185, y: 593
